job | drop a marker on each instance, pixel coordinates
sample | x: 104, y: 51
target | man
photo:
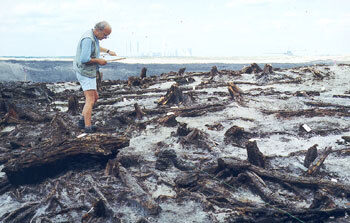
x: 86, y: 65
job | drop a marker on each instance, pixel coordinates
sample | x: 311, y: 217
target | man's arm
x: 105, y: 50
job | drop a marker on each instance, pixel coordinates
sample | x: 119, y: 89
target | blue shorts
x: 87, y: 83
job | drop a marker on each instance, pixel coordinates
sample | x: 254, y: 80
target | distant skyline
x: 221, y: 28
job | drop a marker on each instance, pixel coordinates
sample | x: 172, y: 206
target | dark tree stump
x: 99, y: 77
x: 252, y: 69
x: 316, y: 165
x: 134, y: 81
x: 11, y: 117
x: 255, y: 157
x: 213, y: 71
x: 173, y: 96
x: 73, y: 105
x: 139, y: 112
x: 169, y: 120
x: 181, y: 71
x: 310, y: 156
x: 235, y: 92
x: 268, y: 69
x: 143, y: 72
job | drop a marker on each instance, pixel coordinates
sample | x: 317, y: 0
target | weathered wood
x: 316, y: 165
x: 22, y: 214
x: 101, y: 207
x: 259, y: 186
x: 169, y: 120
x: 268, y: 69
x: 11, y: 117
x: 192, y: 135
x: 73, y: 105
x: 252, y: 69
x: 255, y: 157
x: 134, y: 81
x: 143, y: 72
x: 181, y: 71
x: 235, y: 92
x: 139, y: 112
x: 99, y: 76
x: 310, y: 156
x: 309, y: 113
x: 173, y: 96
x: 213, y: 71
x: 138, y: 194
x: 240, y: 165
x: 44, y: 161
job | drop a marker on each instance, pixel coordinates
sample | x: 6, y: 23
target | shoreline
x: 204, y: 60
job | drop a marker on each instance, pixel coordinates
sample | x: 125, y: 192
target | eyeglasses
x: 105, y: 36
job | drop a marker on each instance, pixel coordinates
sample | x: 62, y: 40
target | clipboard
x: 116, y: 59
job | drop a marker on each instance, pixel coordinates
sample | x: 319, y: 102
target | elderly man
x: 86, y: 65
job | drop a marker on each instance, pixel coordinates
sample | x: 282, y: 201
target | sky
x: 203, y: 28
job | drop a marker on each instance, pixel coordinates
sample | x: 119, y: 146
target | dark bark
x: 314, y: 168
x: 255, y: 157
x: 44, y: 161
x: 140, y: 196
x: 143, y: 73
x: 310, y: 156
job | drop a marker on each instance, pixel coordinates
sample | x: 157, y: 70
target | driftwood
x: 239, y: 165
x: 259, y: 186
x: 309, y: 113
x: 316, y: 165
x: 38, y: 163
x: 138, y: 194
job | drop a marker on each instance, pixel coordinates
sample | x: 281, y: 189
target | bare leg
x: 91, y: 97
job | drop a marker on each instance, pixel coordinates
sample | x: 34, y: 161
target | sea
x: 59, y: 69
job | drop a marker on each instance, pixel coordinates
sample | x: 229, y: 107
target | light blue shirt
x: 85, y: 55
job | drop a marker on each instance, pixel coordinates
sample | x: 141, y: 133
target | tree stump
x: 316, y: 165
x: 268, y: 69
x: 134, y: 81
x: 99, y: 77
x: 252, y: 69
x: 173, y: 96
x: 181, y: 71
x: 139, y: 112
x: 255, y: 157
x: 143, y: 72
x: 213, y: 71
x: 73, y: 105
x: 310, y: 156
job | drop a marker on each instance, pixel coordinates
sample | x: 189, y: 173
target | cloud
x: 234, y: 3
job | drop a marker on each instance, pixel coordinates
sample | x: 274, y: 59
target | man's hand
x: 101, y: 61
x: 112, y: 53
